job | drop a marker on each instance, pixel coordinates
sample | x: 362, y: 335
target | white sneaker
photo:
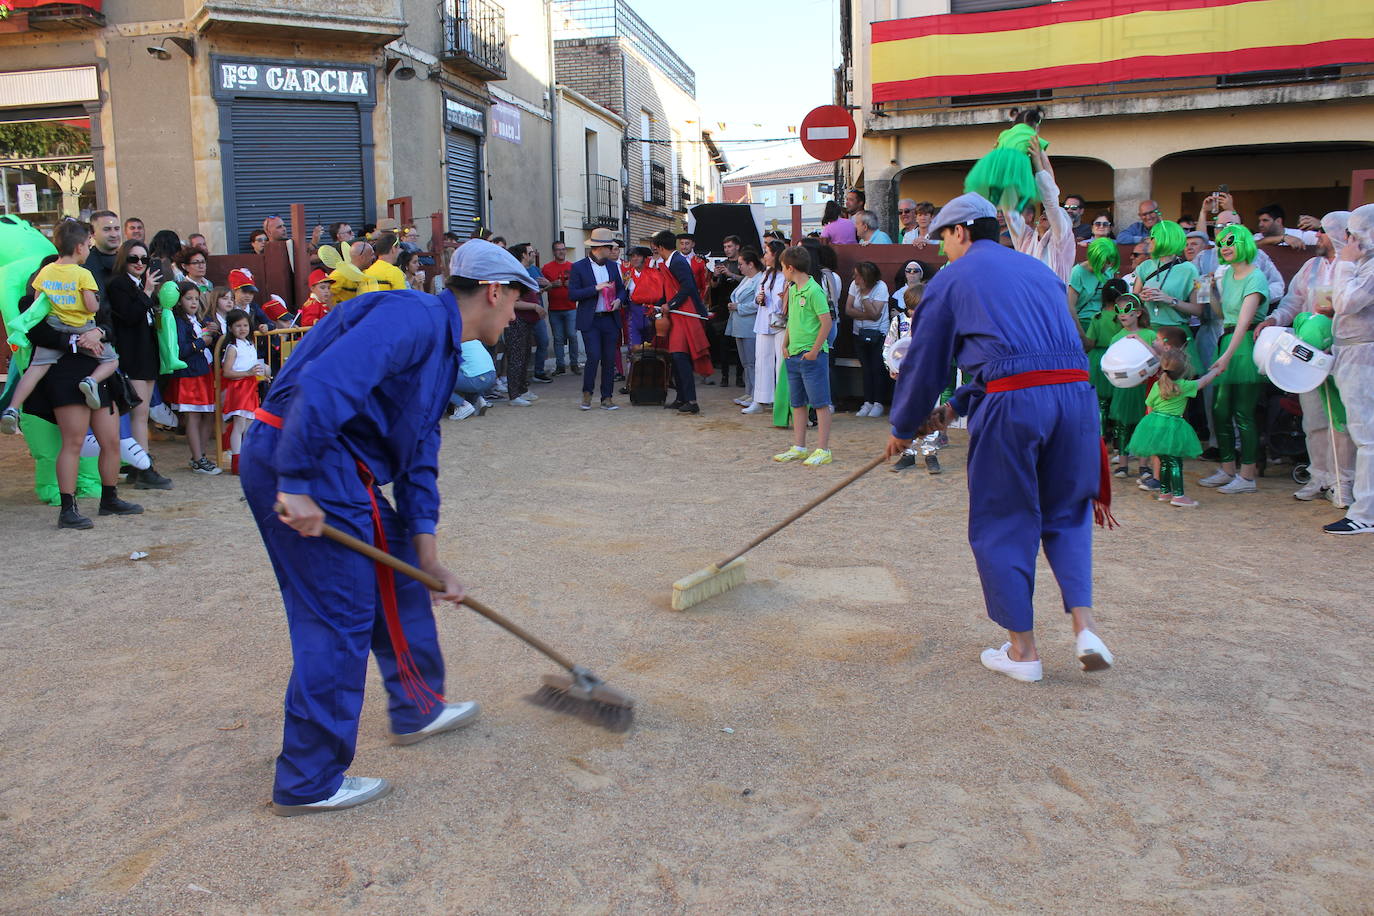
x: 756, y: 407
x: 1218, y: 478
x: 1311, y: 490
x: 998, y: 660
x: 354, y: 791
x: 521, y: 401
x: 530, y: 396
x: 463, y: 411
x: 1342, y: 498
x: 1092, y: 652
x: 743, y: 402
x: 484, y: 404
x: 1238, y: 484
x: 876, y: 410
x: 863, y: 411
x: 455, y: 715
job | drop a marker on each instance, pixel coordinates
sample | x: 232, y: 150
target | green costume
x: 1101, y: 330
x: 1176, y: 280
x: 1165, y: 434
x: 1128, y: 404
x: 1004, y: 175
x: 1315, y: 330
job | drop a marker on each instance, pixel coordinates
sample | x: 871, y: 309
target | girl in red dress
x: 192, y: 390
x: 241, y: 371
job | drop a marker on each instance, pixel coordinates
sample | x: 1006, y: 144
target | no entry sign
x: 828, y: 133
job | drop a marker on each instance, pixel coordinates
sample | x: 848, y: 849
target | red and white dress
x: 193, y: 393
x: 241, y: 394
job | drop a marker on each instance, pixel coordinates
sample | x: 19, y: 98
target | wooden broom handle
x: 430, y: 582
x: 802, y: 511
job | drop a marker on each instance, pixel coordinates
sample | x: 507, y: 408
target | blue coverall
x: 367, y: 386
x: 1034, y: 459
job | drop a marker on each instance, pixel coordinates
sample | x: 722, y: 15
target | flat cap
x: 961, y: 211
x: 484, y: 262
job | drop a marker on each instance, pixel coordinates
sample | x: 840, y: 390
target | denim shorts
x: 808, y: 381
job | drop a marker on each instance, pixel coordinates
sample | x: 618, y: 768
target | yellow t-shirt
x: 63, y: 284
x: 344, y: 288
x: 381, y: 276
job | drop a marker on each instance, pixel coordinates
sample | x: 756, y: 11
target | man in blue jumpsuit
x: 358, y: 406
x: 1034, y: 457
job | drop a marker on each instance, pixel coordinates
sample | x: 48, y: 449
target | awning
x: 1085, y: 42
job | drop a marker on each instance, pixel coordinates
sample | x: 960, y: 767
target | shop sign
x: 456, y: 114
x: 505, y: 122
x: 28, y: 198
x: 288, y: 80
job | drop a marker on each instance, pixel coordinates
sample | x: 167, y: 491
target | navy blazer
x: 582, y: 290
x: 681, y: 269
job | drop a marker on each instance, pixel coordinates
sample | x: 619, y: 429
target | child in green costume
x: 1128, y: 404
x: 1098, y: 333
x: 1004, y: 175
x: 1163, y: 432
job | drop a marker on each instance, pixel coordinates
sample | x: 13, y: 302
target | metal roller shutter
x: 463, y: 169
x: 288, y: 152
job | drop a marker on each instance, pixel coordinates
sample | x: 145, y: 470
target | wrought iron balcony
x: 603, y: 203
x: 475, y: 38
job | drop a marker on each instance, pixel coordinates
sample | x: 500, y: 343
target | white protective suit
x: 1353, y: 301
x: 1330, y: 452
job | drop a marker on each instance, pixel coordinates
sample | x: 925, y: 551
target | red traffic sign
x: 828, y: 133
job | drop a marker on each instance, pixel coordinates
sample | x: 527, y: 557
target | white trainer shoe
x: 998, y: 660
x: 520, y: 402
x: 1342, y: 498
x: 354, y: 791
x: 1092, y: 652
x: 863, y: 411
x: 756, y: 407
x: 455, y: 715
x: 463, y: 411
x: 1311, y: 490
x: 1217, y: 478
x: 1239, y: 484
x: 876, y: 410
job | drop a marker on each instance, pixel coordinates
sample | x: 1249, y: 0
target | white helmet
x: 894, y: 354
x: 1295, y: 366
x: 1128, y: 363
x: 1264, y: 344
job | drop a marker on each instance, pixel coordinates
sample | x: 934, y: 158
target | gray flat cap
x: 479, y: 260
x: 961, y: 211
x: 1199, y: 234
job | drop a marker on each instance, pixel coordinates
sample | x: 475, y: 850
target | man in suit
x: 599, y: 292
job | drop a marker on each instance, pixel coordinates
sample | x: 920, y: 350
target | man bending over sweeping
x: 1035, y: 460
x: 358, y: 406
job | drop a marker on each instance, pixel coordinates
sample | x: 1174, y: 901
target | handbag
x: 122, y: 394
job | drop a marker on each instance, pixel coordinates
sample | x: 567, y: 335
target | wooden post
x: 301, y: 265
x: 399, y: 209
x: 796, y: 224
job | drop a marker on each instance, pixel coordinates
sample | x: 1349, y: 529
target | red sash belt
x: 1036, y: 379
x: 412, y: 681
x: 1102, y: 504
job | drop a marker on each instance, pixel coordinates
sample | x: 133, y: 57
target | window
x: 645, y: 155
x: 657, y: 185
x: 983, y: 6
x: 675, y: 182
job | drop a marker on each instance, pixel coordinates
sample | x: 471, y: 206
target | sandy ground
x: 1224, y: 766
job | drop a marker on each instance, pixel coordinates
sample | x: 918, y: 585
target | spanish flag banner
x: 1086, y: 42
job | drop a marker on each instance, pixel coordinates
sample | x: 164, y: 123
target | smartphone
x: 156, y: 265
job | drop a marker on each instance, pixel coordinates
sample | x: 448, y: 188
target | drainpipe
x: 553, y: 124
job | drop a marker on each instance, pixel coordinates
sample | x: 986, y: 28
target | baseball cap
x: 480, y: 260
x: 319, y: 276
x: 240, y: 277
x: 961, y: 211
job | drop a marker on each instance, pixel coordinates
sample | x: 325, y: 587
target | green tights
x: 1171, y: 475
x: 1233, y: 412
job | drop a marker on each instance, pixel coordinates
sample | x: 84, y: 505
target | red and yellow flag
x: 1084, y: 42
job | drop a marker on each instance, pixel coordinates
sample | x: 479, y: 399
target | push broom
x: 722, y: 576
x: 579, y: 692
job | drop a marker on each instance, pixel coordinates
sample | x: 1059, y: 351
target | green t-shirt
x: 1102, y: 328
x: 1144, y: 334
x: 1173, y: 407
x: 1176, y: 280
x: 1233, y: 295
x: 1083, y: 281
x: 805, y: 307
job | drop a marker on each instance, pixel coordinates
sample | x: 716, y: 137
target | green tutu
x: 1105, y: 389
x: 1242, y: 369
x: 1128, y: 405
x: 1004, y: 175
x: 1163, y: 434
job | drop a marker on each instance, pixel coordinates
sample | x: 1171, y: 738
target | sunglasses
x: 913, y: 270
x: 1125, y: 309
x: 1149, y: 213
x: 137, y: 259
x: 1072, y: 207
x: 1101, y: 222
x: 906, y: 210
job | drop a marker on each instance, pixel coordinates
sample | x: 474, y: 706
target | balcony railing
x: 475, y: 38
x: 603, y: 203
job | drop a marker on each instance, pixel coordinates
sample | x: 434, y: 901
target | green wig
x: 1104, y: 258
x: 1241, y: 239
x: 1169, y: 239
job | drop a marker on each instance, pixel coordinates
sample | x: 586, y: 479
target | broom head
x: 585, y: 695
x: 707, y: 583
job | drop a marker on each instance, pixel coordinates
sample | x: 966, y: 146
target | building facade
x: 810, y: 185
x: 1167, y: 101
x: 590, y: 140
x: 211, y: 116
x: 607, y: 54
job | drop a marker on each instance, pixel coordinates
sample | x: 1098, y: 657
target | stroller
x: 1282, y: 439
